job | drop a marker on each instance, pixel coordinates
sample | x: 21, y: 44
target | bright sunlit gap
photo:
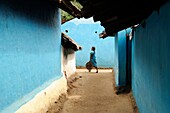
x: 84, y: 21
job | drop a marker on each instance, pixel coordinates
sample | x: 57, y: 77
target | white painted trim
x: 34, y: 102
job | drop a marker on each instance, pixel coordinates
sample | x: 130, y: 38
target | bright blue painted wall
x: 120, y: 59
x: 84, y: 34
x: 116, y: 60
x: 30, y: 51
x: 151, y: 64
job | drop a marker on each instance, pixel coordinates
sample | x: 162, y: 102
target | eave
x: 68, y: 7
x: 118, y: 15
x: 69, y: 43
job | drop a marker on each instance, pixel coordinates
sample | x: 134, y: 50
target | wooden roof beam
x: 67, y: 6
x: 122, y: 19
x: 114, y: 28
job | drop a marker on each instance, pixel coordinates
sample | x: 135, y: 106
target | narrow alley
x: 43, y: 42
x: 94, y: 93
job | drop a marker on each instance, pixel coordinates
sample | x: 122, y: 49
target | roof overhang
x: 69, y: 43
x: 119, y: 14
x: 69, y: 7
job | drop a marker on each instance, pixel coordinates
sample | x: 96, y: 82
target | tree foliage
x: 66, y: 16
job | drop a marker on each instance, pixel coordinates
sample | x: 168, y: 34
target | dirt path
x: 94, y: 93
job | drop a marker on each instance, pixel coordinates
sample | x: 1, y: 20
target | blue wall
x: 84, y: 34
x: 30, y: 50
x: 151, y: 64
x: 120, y: 57
x: 116, y: 62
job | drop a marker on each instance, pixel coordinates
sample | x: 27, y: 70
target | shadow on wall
x: 38, y: 10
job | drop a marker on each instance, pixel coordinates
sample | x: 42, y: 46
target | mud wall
x: 86, y: 33
x: 151, y: 64
x: 30, y: 50
x: 69, y: 62
x: 120, y: 57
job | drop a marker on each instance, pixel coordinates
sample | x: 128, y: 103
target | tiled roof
x: 69, y: 43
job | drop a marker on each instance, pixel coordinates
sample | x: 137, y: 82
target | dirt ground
x: 91, y: 92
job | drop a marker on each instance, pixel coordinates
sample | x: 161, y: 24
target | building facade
x: 86, y: 33
x: 30, y: 55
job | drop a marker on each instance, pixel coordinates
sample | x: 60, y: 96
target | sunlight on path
x: 94, y: 93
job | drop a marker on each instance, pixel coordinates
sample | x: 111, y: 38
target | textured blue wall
x: 30, y: 50
x: 151, y: 64
x: 84, y: 34
x: 116, y: 60
x: 120, y: 57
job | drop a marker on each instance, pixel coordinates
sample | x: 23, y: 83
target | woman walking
x: 93, y: 58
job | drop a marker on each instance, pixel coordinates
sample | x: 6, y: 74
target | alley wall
x: 30, y: 50
x: 120, y: 59
x: 151, y: 64
x: 86, y: 33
